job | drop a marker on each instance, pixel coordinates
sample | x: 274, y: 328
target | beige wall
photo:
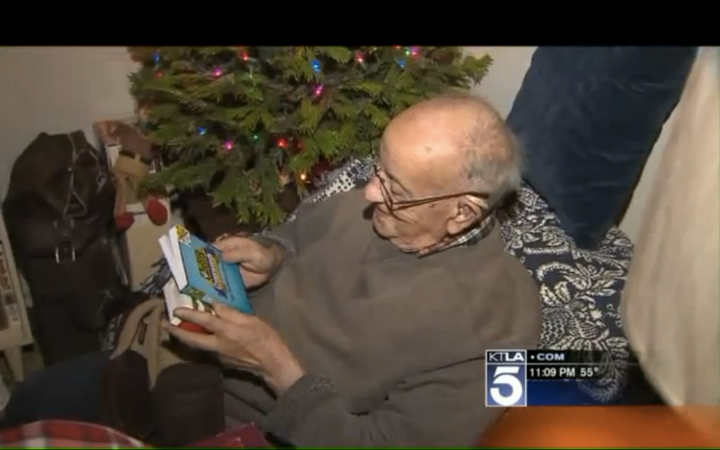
x: 57, y: 89
x: 670, y: 306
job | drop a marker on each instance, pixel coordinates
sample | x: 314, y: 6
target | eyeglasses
x: 397, y: 205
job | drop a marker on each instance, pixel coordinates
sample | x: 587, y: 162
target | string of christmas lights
x: 218, y: 71
x: 360, y: 58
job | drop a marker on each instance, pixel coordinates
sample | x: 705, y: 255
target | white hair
x: 489, y: 154
x: 493, y: 160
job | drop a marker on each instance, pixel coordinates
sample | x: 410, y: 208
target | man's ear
x: 469, y: 210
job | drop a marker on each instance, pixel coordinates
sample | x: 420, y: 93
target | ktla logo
x: 505, y: 381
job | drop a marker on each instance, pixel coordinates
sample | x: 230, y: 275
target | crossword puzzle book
x: 199, y: 275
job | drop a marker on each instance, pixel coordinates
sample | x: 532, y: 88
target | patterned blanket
x: 580, y: 289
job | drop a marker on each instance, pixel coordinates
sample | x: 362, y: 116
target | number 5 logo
x: 506, y: 376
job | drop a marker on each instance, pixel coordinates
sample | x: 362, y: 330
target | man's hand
x: 242, y: 342
x: 257, y: 262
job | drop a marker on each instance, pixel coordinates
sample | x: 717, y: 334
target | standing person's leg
x: 69, y: 390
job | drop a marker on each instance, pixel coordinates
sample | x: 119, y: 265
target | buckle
x: 65, y: 252
x: 65, y: 249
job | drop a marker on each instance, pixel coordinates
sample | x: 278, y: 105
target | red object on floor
x: 193, y: 327
x: 124, y: 221
x: 71, y: 434
x: 156, y: 211
x: 64, y: 434
x: 243, y: 436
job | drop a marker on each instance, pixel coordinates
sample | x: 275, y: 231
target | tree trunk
x: 209, y: 222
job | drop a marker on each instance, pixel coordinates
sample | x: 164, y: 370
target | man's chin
x: 379, y: 221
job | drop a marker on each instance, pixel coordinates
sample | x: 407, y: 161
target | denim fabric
x: 588, y: 118
x: 69, y: 390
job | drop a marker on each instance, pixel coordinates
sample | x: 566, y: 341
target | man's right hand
x: 258, y: 262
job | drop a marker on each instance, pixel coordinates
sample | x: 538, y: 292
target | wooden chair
x: 14, y: 324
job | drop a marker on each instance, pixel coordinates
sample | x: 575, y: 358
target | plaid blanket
x: 70, y: 434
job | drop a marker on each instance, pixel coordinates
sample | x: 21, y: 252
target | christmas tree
x: 243, y: 122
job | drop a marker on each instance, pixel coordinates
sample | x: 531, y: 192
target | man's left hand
x: 243, y: 342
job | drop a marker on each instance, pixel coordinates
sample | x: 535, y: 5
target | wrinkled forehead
x: 402, y: 143
x: 414, y: 152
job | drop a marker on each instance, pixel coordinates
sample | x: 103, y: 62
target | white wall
x: 503, y: 81
x: 57, y: 90
x: 60, y: 89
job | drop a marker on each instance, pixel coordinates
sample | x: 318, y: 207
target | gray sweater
x: 393, y: 344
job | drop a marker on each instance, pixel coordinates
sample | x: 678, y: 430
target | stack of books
x: 200, y: 277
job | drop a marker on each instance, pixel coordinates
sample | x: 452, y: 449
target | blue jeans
x: 69, y: 390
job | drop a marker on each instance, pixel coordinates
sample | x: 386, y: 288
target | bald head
x: 434, y: 157
x: 461, y: 143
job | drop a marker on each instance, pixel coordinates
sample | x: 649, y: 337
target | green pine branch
x: 222, y: 115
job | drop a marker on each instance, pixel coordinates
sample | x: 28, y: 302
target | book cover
x: 200, y: 274
x: 175, y: 299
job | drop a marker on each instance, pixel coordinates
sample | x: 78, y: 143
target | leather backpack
x: 59, y: 216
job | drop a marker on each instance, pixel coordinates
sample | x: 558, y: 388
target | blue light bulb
x: 316, y: 65
x: 202, y: 130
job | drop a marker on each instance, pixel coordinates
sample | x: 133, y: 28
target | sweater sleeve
x: 444, y: 407
x: 311, y: 223
x: 286, y: 235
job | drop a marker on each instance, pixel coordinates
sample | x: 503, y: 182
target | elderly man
x: 373, y: 310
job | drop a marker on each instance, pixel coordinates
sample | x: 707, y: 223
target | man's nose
x: 373, y: 194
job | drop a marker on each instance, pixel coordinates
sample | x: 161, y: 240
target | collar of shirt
x: 470, y: 237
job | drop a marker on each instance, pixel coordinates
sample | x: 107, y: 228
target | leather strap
x: 77, y: 142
